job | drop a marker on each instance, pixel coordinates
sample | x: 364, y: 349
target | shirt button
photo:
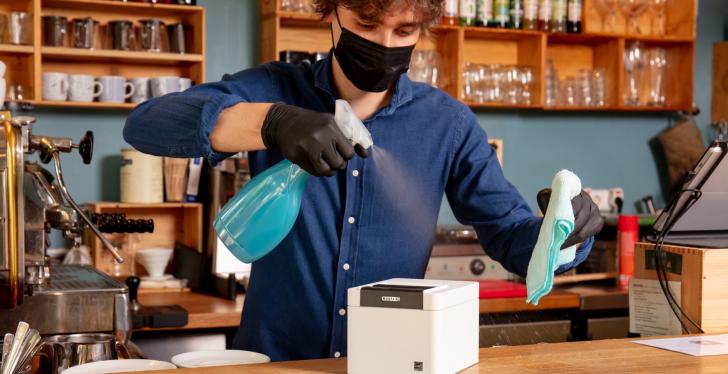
x: 346, y: 266
x: 351, y: 220
x: 337, y: 354
x: 355, y: 173
x: 342, y: 312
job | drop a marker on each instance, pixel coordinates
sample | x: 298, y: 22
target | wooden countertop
x: 205, y: 311
x: 603, y: 356
x: 557, y: 299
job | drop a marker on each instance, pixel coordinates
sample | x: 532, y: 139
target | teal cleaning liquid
x: 262, y: 213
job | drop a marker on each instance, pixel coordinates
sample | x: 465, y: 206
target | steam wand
x: 53, y: 151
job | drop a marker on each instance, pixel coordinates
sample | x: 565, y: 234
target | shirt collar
x: 324, y: 80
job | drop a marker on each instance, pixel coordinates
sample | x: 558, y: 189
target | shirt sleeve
x: 179, y: 124
x: 480, y: 196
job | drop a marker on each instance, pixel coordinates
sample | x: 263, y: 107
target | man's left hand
x: 587, y: 219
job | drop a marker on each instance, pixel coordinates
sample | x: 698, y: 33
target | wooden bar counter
x: 604, y: 356
x: 207, y: 311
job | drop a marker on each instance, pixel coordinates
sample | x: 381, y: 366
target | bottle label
x: 559, y: 10
x: 485, y: 10
x: 530, y: 9
x: 544, y: 10
x: 451, y: 8
x: 574, y: 11
x: 501, y: 11
x: 517, y: 10
x: 467, y: 9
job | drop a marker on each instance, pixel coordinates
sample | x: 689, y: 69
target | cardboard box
x: 703, y: 277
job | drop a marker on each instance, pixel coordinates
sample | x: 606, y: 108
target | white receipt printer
x: 412, y: 326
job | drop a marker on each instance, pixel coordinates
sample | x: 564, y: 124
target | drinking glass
x: 599, y: 87
x: 657, y: 64
x: 569, y: 92
x: 658, y: 9
x: 607, y: 10
x: 634, y: 64
x: 526, y: 80
x: 632, y: 9
x: 498, y: 75
x: 584, y: 87
x: 512, y: 84
x: 551, y: 85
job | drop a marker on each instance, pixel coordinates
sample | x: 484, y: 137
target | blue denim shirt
x: 374, y: 221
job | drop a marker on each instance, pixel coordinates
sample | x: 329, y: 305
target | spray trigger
x: 352, y: 127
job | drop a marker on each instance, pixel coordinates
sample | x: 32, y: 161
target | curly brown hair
x: 427, y: 12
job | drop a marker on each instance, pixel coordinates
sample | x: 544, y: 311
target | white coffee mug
x: 55, y: 86
x: 184, y: 84
x: 141, y: 90
x: 2, y: 91
x: 115, y: 89
x: 83, y: 88
x: 165, y: 85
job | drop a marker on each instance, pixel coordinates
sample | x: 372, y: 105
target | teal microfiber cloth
x: 558, y: 223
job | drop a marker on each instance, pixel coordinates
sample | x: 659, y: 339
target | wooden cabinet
x: 27, y: 63
x: 720, y: 82
x: 283, y: 30
x: 173, y: 222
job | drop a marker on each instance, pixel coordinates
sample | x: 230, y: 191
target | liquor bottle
x: 467, y: 12
x: 544, y: 15
x: 558, y: 16
x: 501, y: 16
x: 484, y: 11
x: 516, y: 12
x: 574, y: 14
x: 530, y: 14
x: 450, y: 16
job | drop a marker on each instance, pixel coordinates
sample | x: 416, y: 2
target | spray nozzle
x: 351, y: 125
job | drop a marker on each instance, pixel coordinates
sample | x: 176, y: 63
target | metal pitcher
x: 60, y: 352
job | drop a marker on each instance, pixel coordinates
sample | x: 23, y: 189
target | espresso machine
x: 53, y: 299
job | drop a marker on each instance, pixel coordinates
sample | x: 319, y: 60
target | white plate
x: 119, y: 366
x: 218, y: 358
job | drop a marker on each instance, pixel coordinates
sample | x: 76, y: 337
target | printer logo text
x: 392, y: 299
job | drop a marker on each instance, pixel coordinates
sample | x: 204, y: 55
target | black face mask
x: 370, y: 66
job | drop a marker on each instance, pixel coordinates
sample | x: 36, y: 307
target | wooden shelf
x: 11, y: 48
x: 92, y: 105
x: 111, y: 6
x: 101, y: 55
x: 613, y: 108
x: 298, y: 16
x: 119, y: 205
x: 570, y: 53
x: 502, y: 106
x: 26, y: 64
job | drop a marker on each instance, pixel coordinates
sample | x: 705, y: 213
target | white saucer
x: 157, y: 279
x: 119, y: 366
x: 218, y: 358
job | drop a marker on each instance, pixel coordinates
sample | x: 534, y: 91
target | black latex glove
x: 587, y: 219
x: 309, y: 139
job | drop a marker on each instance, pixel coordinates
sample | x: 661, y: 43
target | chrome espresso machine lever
x: 50, y: 148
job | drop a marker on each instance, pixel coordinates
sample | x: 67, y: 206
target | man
x: 364, y: 219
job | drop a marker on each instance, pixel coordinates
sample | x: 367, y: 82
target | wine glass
x: 657, y: 62
x: 607, y: 10
x: 658, y: 9
x: 634, y: 64
x: 632, y: 9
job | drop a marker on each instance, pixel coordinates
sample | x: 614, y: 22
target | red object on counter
x: 627, y: 236
x: 496, y: 289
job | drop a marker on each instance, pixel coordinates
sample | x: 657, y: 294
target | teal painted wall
x: 606, y: 150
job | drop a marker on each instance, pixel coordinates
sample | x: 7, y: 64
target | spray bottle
x: 263, y: 212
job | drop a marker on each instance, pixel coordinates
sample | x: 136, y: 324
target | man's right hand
x: 309, y: 139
